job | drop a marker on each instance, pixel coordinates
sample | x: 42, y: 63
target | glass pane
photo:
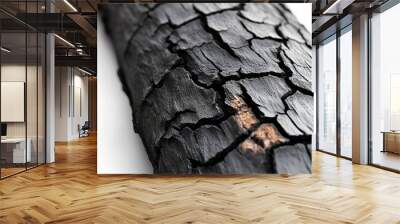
x: 31, y: 100
x: 327, y: 96
x: 346, y: 94
x: 385, y: 89
x: 31, y: 86
x: 13, y: 89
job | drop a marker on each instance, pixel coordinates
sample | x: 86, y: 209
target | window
x: 346, y: 92
x: 385, y: 89
x: 334, y: 106
x: 327, y: 95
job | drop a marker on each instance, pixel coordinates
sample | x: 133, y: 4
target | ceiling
x: 75, y: 21
x: 18, y: 53
x: 332, y: 15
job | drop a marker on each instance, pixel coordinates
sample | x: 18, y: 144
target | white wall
x: 69, y: 82
x: 303, y: 13
x: 79, y: 117
x: 119, y: 149
x: 19, y: 73
x: 61, y: 103
x: 15, y: 73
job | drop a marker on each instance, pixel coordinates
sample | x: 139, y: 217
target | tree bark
x: 216, y: 87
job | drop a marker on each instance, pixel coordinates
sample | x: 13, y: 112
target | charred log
x: 216, y: 87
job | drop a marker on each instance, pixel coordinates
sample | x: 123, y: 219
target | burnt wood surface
x: 216, y: 87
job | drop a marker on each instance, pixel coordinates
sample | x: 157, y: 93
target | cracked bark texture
x: 216, y: 87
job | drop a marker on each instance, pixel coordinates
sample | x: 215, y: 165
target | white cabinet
x: 19, y: 155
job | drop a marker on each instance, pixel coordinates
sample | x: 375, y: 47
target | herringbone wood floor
x: 70, y: 191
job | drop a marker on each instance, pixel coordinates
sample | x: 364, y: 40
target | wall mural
x: 216, y: 87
